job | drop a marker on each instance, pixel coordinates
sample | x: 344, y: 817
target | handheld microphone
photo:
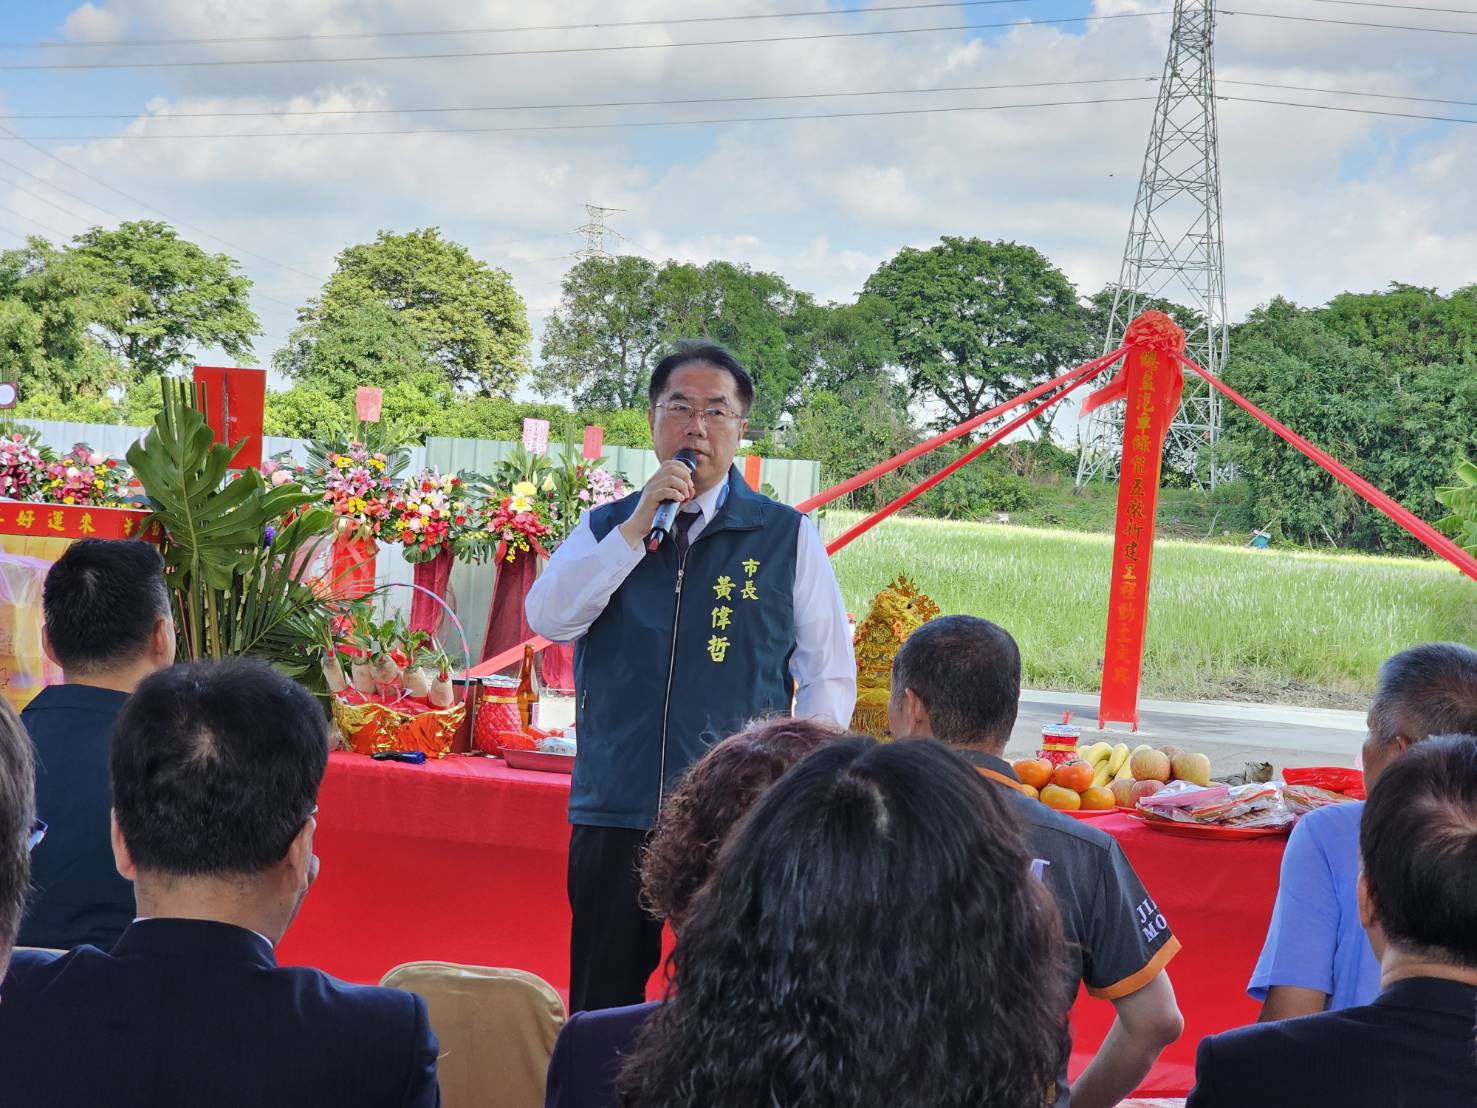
x: 666, y: 513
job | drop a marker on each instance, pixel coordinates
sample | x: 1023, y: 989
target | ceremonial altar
x: 463, y: 859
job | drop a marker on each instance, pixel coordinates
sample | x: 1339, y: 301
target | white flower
x: 521, y: 503
x: 281, y: 477
x: 424, y: 509
x: 414, y: 524
x: 548, y: 485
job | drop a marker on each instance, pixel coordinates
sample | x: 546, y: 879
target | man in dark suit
x: 107, y: 624
x: 1414, y: 1046
x: 19, y: 831
x: 215, y: 771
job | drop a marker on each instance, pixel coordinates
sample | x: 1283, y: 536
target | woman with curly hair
x: 716, y: 793
x: 871, y: 934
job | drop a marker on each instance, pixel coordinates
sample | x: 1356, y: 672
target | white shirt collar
x: 709, y: 502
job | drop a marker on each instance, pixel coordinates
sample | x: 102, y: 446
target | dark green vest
x: 683, y: 655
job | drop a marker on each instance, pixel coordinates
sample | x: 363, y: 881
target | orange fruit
x: 1035, y: 772
x: 1062, y: 799
x: 1076, y: 776
x: 1030, y: 791
x: 1098, y: 799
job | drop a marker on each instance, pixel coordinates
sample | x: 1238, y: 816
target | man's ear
x: 300, y: 859
x: 122, y: 859
x: 162, y: 642
x: 916, y: 714
x: 1367, y: 918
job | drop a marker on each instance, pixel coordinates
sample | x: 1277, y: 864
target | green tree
x: 352, y: 345
x: 835, y: 345
x: 599, y: 346
x: 849, y: 430
x: 975, y: 322
x: 468, y: 319
x: 154, y: 298
x: 1100, y: 312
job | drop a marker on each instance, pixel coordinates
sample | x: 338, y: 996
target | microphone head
x: 688, y: 458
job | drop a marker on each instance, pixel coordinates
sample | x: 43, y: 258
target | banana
x: 1096, y: 753
x: 1119, y: 758
x: 1100, y: 775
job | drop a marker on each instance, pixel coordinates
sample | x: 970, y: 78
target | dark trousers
x: 613, y: 945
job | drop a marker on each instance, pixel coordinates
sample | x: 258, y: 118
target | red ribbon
x: 1151, y: 331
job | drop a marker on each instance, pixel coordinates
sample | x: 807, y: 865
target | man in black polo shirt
x: 108, y: 625
x: 958, y: 679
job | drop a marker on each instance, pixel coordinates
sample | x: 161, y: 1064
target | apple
x: 1170, y: 751
x: 1194, y: 768
x: 1142, y: 789
x: 1123, y: 792
x: 1149, y: 765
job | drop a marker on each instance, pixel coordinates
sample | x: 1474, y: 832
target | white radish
x: 385, y: 671
x: 418, y: 683
x: 333, y: 673
x: 441, y: 691
x: 361, y: 678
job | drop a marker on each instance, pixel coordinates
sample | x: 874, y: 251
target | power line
x: 1397, y: 7
x: 620, y: 124
x: 590, y: 104
x: 1350, y: 92
x: 32, y: 219
x: 216, y: 62
x: 7, y: 134
x: 1354, y: 111
x: 1343, y: 23
x: 603, y: 26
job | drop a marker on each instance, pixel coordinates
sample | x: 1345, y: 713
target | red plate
x: 1092, y: 814
x: 1208, y: 830
x: 539, y: 760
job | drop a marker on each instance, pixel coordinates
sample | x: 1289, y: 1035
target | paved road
x: 1231, y: 734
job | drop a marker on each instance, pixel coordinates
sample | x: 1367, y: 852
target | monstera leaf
x: 236, y: 551
x: 1461, y: 500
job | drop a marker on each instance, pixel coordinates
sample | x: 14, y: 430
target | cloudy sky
x: 1316, y: 201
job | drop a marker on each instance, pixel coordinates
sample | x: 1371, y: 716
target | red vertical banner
x: 233, y: 400
x: 594, y: 441
x: 753, y: 466
x: 1150, y: 384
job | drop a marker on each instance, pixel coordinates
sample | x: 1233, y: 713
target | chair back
x: 496, y: 1028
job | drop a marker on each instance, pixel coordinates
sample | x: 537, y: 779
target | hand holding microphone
x: 662, y: 497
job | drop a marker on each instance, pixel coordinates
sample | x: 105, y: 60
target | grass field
x: 1224, y: 623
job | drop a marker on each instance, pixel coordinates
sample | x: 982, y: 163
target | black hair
x: 1427, y: 690
x: 967, y: 673
x: 101, y: 602
x: 216, y: 767
x: 1418, y: 843
x: 17, y: 811
x: 710, y: 353
x: 871, y: 934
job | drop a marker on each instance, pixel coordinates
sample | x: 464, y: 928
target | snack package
x: 1302, y: 799
x: 1254, y: 805
x: 1334, y: 779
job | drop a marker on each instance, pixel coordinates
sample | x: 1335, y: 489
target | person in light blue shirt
x: 1317, y: 956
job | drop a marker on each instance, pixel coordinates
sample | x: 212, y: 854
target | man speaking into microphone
x: 687, y: 628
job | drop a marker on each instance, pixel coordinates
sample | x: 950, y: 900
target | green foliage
x: 1344, y: 379
x: 599, y: 348
x: 154, y: 297
x: 974, y: 323
x: 236, y: 588
x: 464, y: 317
x: 1461, y: 500
x: 848, y: 431
x: 982, y: 488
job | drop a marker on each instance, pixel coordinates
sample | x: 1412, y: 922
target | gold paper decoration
x: 897, y: 611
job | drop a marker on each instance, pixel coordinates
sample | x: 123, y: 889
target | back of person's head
x: 17, y: 815
x: 716, y: 793
x: 966, y: 674
x: 106, y: 607
x: 1427, y: 690
x: 1418, y: 844
x: 216, y: 768
x: 871, y: 934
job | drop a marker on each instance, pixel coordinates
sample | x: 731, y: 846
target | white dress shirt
x: 582, y: 574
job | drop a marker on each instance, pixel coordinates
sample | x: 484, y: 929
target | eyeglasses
x: 683, y: 412
x: 38, y: 832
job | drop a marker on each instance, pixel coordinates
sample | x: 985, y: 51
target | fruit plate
x: 539, y: 760
x: 1208, y: 830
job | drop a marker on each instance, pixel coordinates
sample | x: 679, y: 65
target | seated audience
x: 19, y: 831
x: 1316, y: 955
x: 871, y: 934
x: 958, y: 679
x: 107, y: 624
x: 1418, y: 902
x: 716, y: 793
x: 215, y: 771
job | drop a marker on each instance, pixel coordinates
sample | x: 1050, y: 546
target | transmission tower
x: 595, y: 231
x: 1175, y: 251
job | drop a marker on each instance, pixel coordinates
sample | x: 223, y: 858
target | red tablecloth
x: 464, y: 860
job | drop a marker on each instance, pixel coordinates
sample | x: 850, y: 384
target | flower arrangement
x: 83, y: 476
x: 518, y: 520
x: 22, y: 468
x: 576, y: 485
x: 429, y: 514
x: 357, y: 485
x: 283, y: 469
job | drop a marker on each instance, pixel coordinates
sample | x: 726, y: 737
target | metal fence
x: 470, y: 590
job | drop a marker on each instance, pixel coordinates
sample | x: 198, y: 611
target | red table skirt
x: 464, y: 860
